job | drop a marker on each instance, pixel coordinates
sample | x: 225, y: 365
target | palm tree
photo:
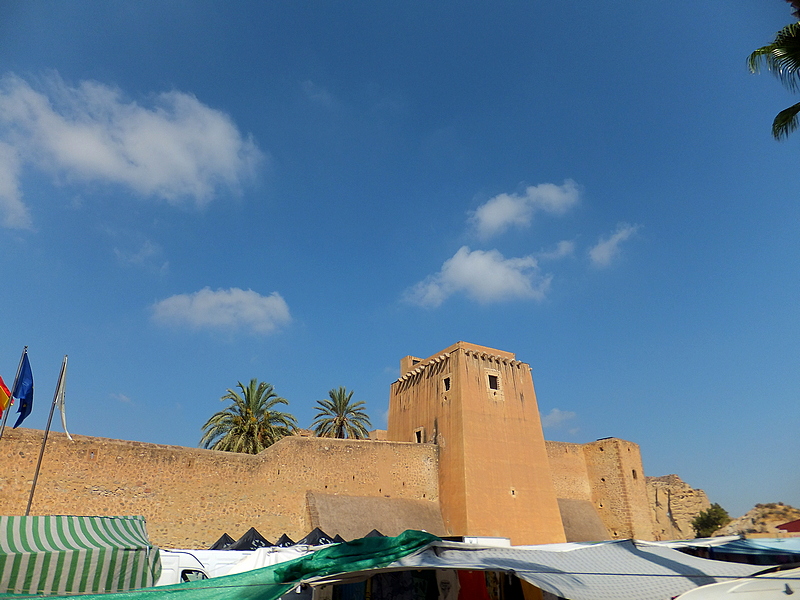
x: 251, y: 423
x: 782, y: 57
x: 338, y: 417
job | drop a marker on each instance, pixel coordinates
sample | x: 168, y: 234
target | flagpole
x: 46, y: 432
x: 10, y: 400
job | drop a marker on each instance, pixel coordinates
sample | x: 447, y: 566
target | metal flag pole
x: 46, y: 432
x: 16, y: 379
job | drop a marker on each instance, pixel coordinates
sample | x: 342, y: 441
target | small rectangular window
x: 419, y: 435
x: 494, y: 382
x: 446, y: 384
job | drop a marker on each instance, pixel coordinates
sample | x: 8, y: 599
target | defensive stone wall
x: 609, y: 474
x: 352, y: 516
x: 191, y: 496
x: 568, y: 468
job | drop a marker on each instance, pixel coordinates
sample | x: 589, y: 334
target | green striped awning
x: 75, y: 555
x: 272, y: 582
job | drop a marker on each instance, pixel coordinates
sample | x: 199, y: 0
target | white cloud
x: 607, y: 249
x: 557, y: 417
x: 485, y: 276
x: 507, y: 210
x: 178, y: 149
x: 13, y: 213
x: 149, y: 255
x: 562, y: 249
x: 316, y: 93
x: 121, y: 398
x: 231, y: 309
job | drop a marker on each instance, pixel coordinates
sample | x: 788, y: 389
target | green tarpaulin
x: 270, y: 583
x: 74, y: 555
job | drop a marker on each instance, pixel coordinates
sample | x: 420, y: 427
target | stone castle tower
x: 479, y: 406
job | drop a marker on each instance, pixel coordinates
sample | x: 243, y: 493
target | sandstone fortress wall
x: 191, y: 496
x: 606, y: 477
x: 464, y: 454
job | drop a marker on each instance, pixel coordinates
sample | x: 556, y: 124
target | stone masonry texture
x: 191, y: 496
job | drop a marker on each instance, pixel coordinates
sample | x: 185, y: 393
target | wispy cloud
x: 556, y: 418
x: 316, y: 93
x: 177, y: 149
x: 121, y: 398
x: 149, y: 255
x: 562, y: 249
x: 485, y: 276
x: 516, y: 210
x: 607, y: 249
x: 13, y: 212
x: 233, y: 309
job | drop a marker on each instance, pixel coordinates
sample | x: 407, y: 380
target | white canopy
x: 602, y: 571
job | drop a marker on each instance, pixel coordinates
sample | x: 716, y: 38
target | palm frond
x: 782, y: 57
x: 250, y: 423
x: 338, y: 417
x: 786, y: 122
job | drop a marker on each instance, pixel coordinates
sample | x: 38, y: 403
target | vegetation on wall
x: 251, y: 423
x: 709, y: 520
x: 339, y: 417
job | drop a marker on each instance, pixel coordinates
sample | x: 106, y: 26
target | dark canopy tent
x: 316, y: 538
x: 223, y: 542
x: 374, y: 533
x: 337, y: 539
x: 284, y: 541
x: 250, y: 541
x: 758, y: 551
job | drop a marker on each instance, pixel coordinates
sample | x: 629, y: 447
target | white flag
x: 61, y: 391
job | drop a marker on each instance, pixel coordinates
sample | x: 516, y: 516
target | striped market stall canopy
x: 75, y: 555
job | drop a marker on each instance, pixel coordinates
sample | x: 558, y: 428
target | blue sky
x: 196, y: 193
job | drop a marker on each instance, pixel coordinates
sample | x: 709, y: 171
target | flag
x: 23, y: 390
x: 5, y: 397
x: 60, y: 392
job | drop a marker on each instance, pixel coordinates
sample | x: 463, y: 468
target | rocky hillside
x: 674, y: 504
x: 764, y: 518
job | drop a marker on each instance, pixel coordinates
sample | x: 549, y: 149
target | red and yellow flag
x: 5, y: 396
